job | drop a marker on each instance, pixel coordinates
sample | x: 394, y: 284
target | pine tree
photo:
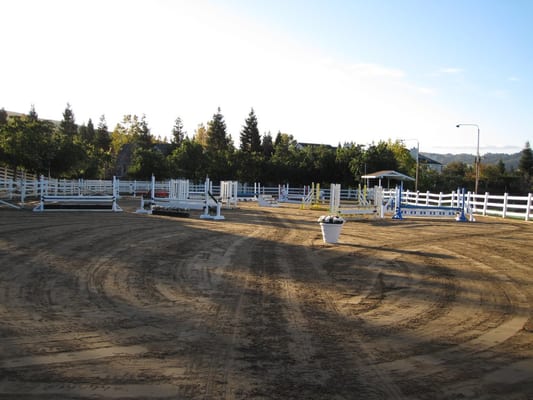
x: 217, y: 139
x: 526, y: 162
x: 525, y: 166
x: 87, y: 132
x: 250, y: 138
x: 102, y: 138
x: 68, y: 125
x: 178, y: 132
x: 32, y: 115
x: 3, y: 116
x: 267, y: 146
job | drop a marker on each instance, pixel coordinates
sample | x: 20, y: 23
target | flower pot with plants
x: 331, y: 226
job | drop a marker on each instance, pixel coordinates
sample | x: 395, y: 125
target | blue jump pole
x: 398, y: 208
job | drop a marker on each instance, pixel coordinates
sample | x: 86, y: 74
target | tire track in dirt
x: 469, y: 326
x: 98, y: 277
x: 437, y: 319
x: 331, y: 326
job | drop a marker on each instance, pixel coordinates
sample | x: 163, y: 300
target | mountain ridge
x: 511, y: 161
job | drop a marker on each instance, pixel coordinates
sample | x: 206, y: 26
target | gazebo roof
x: 388, y: 174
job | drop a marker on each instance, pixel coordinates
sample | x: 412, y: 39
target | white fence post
x: 504, y: 211
x: 485, y: 203
x: 528, y: 206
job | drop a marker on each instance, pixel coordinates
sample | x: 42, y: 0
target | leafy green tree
x: 70, y: 156
x: 285, y: 161
x: 456, y: 175
x: 200, y: 135
x: 25, y: 143
x: 119, y: 138
x: 315, y: 163
x: 137, y: 131
x: 148, y: 162
x: 349, y: 163
x: 249, y: 167
x: 188, y: 161
x: 380, y: 157
x: 10, y: 142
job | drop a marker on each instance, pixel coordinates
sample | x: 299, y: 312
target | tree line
x: 65, y: 149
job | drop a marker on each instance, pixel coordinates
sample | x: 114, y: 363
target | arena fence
x: 16, y: 189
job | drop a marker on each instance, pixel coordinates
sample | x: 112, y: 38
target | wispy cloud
x: 446, y: 71
x: 513, y: 79
x: 425, y: 90
x: 375, y: 70
x: 450, y: 71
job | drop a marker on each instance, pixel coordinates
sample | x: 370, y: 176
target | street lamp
x: 477, y: 154
x: 417, y: 161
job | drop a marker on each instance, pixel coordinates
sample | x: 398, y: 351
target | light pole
x: 477, y: 154
x: 417, y: 161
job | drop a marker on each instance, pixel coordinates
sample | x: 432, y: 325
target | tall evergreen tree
x: 178, y: 132
x: 68, y: 126
x: 525, y: 168
x: 3, y: 116
x: 267, y: 146
x: 87, y: 132
x: 250, y: 138
x: 146, y: 140
x: 526, y: 161
x: 217, y: 138
x: 102, y: 138
x: 32, y: 115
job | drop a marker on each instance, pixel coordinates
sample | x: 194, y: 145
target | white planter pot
x: 331, y: 232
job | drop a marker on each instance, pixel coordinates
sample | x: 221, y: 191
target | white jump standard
x: 180, y: 200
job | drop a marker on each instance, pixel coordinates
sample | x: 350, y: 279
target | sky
x: 330, y: 71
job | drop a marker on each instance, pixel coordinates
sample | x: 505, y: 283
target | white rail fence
x: 505, y: 206
x: 17, y: 189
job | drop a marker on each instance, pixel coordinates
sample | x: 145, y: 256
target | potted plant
x: 331, y: 226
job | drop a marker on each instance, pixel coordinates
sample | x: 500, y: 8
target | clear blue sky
x: 324, y: 71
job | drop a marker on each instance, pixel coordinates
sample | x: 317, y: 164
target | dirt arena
x: 130, y: 306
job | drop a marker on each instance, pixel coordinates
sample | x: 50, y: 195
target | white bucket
x: 331, y: 232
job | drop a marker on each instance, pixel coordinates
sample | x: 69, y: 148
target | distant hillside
x: 510, y: 160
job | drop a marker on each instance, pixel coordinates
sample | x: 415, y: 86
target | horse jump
x: 78, y: 202
x: 409, y: 210
x: 365, y: 207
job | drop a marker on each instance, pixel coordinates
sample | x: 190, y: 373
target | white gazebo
x: 389, y: 174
